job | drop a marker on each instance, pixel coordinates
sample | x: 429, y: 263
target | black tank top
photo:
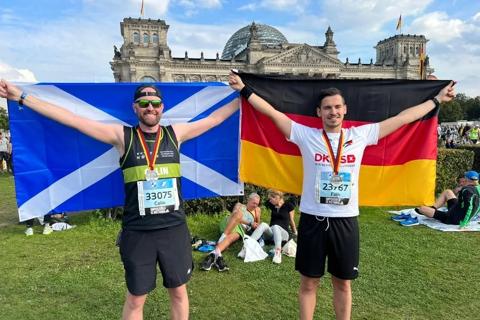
x: 134, y: 163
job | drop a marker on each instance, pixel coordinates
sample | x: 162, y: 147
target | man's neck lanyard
x: 150, y: 172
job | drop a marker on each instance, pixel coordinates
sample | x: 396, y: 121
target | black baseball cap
x: 139, y: 93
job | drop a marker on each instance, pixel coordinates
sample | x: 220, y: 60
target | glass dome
x: 266, y: 34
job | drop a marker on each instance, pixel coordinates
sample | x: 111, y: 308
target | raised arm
x: 283, y: 123
x: 186, y: 131
x: 108, y: 133
x: 414, y: 113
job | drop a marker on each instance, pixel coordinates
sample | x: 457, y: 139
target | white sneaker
x: 47, y: 229
x: 29, y: 232
x: 277, y: 257
x: 241, y: 254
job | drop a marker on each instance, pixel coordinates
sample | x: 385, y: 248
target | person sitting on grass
x: 282, y: 217
x: 461, y: 182
x: 243, y: 219
x: 460, y: 210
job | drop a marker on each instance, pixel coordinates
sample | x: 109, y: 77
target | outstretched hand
x: 9, y: 91
x: 235, y: 81
x: 447, y: 93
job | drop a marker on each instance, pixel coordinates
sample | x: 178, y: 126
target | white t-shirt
x: 318, y: 191
x: 3, y: 144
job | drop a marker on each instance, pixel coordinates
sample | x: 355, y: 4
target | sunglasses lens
x: 155, y: 103
x: 146, y: 103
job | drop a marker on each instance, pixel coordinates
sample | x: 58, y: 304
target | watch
x: 22, y: 97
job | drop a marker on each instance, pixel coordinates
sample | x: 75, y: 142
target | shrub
x: 476, y: 150
x: 450, y: 164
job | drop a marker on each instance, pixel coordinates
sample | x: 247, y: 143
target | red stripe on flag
x: 414, y: 141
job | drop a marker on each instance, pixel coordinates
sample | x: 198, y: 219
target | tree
x: 450, y: 112
x: 472, y: 108
x: 3, y: 119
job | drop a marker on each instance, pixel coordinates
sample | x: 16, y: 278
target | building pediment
x: 303, y: 54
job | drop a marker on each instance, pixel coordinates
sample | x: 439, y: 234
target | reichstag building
x: 145, y: 56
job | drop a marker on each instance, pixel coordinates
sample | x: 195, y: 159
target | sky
x: 72, y: 40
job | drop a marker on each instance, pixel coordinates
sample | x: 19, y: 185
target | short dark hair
x: 329, y: 92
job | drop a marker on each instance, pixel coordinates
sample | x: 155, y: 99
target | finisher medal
x: 336, y: 180
x: 151, y: 174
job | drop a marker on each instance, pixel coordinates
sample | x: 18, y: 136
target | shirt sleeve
x: 370, y: 133
x: 297, y: 133
x: 290, y: 206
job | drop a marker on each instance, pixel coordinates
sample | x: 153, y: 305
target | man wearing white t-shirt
x: 329, y: 204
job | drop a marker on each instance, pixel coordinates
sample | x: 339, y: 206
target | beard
x: 149, y: 118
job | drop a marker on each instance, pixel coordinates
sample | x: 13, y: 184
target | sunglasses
x: 145, y: 103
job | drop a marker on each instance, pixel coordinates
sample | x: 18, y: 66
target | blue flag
x: 59, y: 169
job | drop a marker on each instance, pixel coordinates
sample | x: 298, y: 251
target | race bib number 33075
x: 160, y: 196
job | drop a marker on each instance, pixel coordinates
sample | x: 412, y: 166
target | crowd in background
x: 452, y: 134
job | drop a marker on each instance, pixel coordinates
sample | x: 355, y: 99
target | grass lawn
x: 405, y: 273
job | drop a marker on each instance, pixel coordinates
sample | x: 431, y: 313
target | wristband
x: 22, y: 97
x: 246, y: 92
x: 437, y: 103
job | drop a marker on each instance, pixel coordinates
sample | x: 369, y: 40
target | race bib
x: 160, y: 196
x: 333, y: 189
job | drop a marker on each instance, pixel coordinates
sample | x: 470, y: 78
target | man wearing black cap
x: 154, y: 224
x: 461, y: 210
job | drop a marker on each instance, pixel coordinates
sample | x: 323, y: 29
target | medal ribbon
x: 334, y: 160
x: 150, y: 156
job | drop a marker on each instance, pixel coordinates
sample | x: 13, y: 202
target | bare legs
x: 439, y: 202
x: 133, y: 307
x: 342, y: 297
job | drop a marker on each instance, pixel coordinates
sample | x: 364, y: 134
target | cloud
x: 195, y: 38
x: 249, y: 7
x: 193, y: 7
x: 77, y: 46
x: 435, y: 24
x: 453, y: 48
x: 14, y: 75
x: 293, y: 6
x: 476, y: 17
x: 151, y: 7
x: 18, y: 75
x: 200, y: 4
x: 371, y: 15
x: 286, y: 5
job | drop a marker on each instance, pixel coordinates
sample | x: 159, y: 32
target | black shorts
x: 335, y: 238
x: 142, y: 250
x: 454, y: 215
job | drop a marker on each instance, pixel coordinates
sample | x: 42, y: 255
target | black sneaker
x: 208, y: 262
x: 221, y: 265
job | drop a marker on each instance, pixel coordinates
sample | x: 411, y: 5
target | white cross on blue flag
x: 59, y: 169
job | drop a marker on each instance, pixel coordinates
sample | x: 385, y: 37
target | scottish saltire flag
x: 60, y: 169
x: 399, y: 170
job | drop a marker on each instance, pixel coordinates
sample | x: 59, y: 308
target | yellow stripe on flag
x: 400, y: 184
x: 409, y: 184
x: 257, y: 167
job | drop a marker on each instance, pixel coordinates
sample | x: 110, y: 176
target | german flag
x: 399, y: 170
